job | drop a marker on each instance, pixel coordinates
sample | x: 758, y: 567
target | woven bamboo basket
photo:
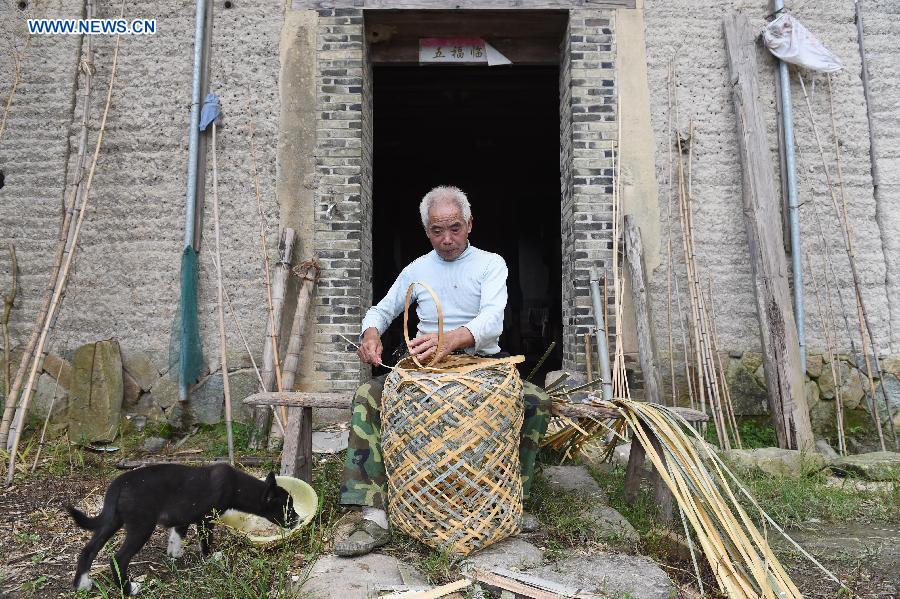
x: 450, y: 443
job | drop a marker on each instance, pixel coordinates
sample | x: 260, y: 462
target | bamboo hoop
x: 67, y: 266
x: 440, y: 316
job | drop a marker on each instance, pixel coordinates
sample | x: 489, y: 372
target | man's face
x: 446, y: 230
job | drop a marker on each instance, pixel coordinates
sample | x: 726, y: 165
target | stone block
x: 131, y: 391
x: 776, y: 462
x: 573, y: 479
x: 141, y: 368
x: 814, y: 364
x: 56, y: 366
x: 611, y: 575
x: 879, y: 465
x: 826, y: 381
x: 164, y: 393
x: 891, y: 385
x: 48, y: 396
x: 827, y: 451
x: 606, y: 524
x: 752, y: 360
x: 95, y: 399
x: 356, y: 577
x: 748, y: 397
x: 512, y: 553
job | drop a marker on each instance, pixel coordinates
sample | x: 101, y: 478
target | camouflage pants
x: 364, y: 481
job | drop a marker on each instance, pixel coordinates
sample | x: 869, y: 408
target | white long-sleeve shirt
x: 471, y: 289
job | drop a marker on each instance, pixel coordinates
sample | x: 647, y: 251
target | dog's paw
x: 175, y: 548
x: 84, y: 583
x: 134, y: 588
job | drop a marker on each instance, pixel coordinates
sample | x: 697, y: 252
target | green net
x: 185, y: 352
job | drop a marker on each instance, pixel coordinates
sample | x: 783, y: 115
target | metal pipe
x: 194, y: 140
x: 602, y: 347
x: 790, y: 179
x: 190, y: 207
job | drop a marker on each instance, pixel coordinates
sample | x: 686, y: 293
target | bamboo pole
x: 65, y: 232
x: 54, y: 303
x: 220, y: 302
x: 726, y: 393
x: 871, y: 335
x: 847, y: 234
x: 669, y: 266
x: 829, y: 343
x: 8, y: 302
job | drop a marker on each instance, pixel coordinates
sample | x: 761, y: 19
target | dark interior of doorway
x: 494, y: 133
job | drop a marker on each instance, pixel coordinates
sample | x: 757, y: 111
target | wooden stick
x: 54, y: 303
x: 220, y: 303
x: 647, y: 352
x: 588, y: 356
x: 540, y: 362
x: 8, y: 301
x: 308, y: 272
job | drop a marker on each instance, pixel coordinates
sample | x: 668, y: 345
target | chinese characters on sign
x: 471, y: 50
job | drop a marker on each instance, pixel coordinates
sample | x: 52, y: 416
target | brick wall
x: 588, y: 123
x: 344, y: 199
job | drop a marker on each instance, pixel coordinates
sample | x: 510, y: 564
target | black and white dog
x: 173, y: 496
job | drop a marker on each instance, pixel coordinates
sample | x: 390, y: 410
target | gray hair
x: 443, y: 193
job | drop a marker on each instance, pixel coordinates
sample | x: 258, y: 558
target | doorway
x: 494, y: 133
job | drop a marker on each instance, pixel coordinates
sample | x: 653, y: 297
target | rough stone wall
x: 588, y: 83
x: 343, y: 202
x: 125, y: 283
x: 692, y: 33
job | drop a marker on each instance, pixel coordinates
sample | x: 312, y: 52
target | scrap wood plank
x: 434, y: 593
x: 495, y: 579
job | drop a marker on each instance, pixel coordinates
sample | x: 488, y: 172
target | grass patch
x: 791, y: 501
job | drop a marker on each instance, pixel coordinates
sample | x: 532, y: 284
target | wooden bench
x: 296, y: 457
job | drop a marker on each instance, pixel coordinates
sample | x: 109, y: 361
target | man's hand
x: 424, y: 347
x: 370, y: 349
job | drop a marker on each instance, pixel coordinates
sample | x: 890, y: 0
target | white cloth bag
x: 789, y: 40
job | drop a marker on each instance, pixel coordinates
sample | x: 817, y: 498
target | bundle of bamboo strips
x: 710, y: 382
x: 738, y: 554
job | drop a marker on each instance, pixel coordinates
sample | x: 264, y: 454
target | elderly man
x: 471, y: 286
